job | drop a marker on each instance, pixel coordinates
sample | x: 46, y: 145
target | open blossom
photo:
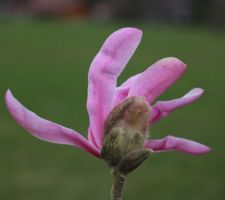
x: 104, y: 96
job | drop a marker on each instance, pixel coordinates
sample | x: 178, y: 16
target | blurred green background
x: 45, y: 64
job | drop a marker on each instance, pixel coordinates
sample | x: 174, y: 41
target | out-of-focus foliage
x: 210, y: 12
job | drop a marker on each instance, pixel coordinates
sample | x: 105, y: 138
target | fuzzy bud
x: 125, y: 131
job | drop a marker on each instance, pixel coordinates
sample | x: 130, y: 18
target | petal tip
x: 8, y: 96
x: 198, y: 91
x: 176, y: 63
x: 8, y: 93
x: 137, y: 32
x: 131, y: 32
x: 204, y: 150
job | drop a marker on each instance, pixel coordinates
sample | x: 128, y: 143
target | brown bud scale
x: 125, y: 131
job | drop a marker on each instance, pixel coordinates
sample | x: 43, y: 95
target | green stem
x: 117, y: 188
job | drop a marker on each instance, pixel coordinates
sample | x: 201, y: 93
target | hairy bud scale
x: 125, y: 131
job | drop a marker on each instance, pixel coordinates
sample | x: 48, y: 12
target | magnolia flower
x: 104, y: 95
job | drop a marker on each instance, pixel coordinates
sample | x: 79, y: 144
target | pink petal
x: 46, y: 130
x: 91, y: 138
x: 122, y: 91
x: 171, y: 143
x: 157, y: 78
x: 105, y: 68
x: 163, y: 108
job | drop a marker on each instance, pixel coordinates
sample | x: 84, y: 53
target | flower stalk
x: 118, y: 184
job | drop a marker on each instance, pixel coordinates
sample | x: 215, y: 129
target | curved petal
x: 91, y: 138
x: 163, y: 108
x: 122, y: 91
x: 171, y: 143
x: 157, y: 78
x: 46, y: 130
x: 105, y: 68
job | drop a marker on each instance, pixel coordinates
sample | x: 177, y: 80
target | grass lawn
x: 45, y: 64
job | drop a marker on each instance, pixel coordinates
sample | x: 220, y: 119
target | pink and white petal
x: 105, y: 68
x: 46, y: 130
x: 157, y: 78
x: 91, y: 138
x: 171, y: 143
x: 163, y: 108
x: 122, y: 91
